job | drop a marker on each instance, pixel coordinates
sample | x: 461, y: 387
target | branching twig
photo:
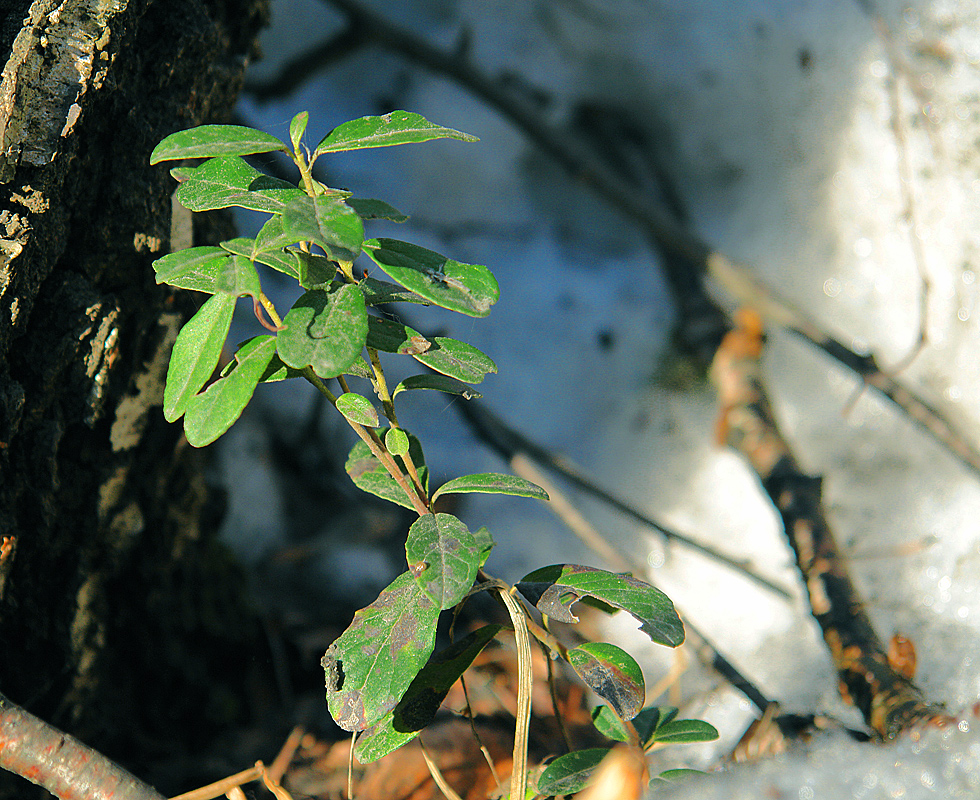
x: 657, y: 221
x: 617, y: 559
x: 512, y: 445
x: 60, y: 763
x: 888, y: 699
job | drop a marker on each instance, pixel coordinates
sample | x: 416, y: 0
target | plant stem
x: 389, y: 409
x: 371, y: 440
x: 304, y: 170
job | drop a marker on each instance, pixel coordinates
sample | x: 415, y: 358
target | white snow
x: 792, y: 131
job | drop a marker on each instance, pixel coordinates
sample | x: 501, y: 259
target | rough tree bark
x: 116, y: 622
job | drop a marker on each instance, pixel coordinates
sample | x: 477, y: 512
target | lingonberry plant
x: 383, y: 681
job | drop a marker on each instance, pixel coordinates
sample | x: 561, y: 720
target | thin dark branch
x: 60, y: 763
x: 300, y: 69
x: 657, y: 221
x: 508, y: 443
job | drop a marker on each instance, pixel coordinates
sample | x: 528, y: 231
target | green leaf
x: 214, y: 140
x: 224, y: 182
x: 359, y: 368
x: 272, y: 236
x: 326, y: 221
x: 393, y: 337
x: 284, y: 261
x: 369, y: 474
x: 396, y: 441
x: 467, y: 288
x: 325, y: 330
x: 485, y: 542
x: 196, y: 353
x: 277, y: 371
x: 611, y: 673
x: 555, y: 589
x: 315, y: 272
x: 209, y: 269
x: 439, y: 383
x: 675, y: 776
x: 569, y: 773
x: 684, y: 731
x: 398, y: 127
x: 194, y: 268
x: 297, y: 127
x: 380, y: 292
x: 372, y: 663
x: 357, y: 409
x: 457, y: 360
x: 443, y: 556
x: 212, y: 413
x: 422, y: 699
x: 492, y: 483
x: 608, y: 724
x: 375, y: 209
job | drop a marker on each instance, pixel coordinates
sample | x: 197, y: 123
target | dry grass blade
x: 437, y: 775
x: 223, y: 786
x: 518, y: 778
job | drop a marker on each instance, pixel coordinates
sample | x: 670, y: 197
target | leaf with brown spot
x: 450, y: 553
x: 611, y: 673
x: 555, y: 589
x: 369, y: 667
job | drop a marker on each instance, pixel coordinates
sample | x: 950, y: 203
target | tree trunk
x: 119, y: 617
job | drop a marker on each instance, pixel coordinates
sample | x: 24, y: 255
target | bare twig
x: 887, y: 698
x: 519, y: 451
x: 437, y: 775
x: 656, y: 221
x: 60, y: 763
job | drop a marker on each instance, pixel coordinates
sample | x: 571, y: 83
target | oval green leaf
x: 569, y: 773
x: 555, y: 589
x: 284, y: 261
x: 492, y: 483
x: 684, y: 731
x: 457, y: 359
x: 611, y: 673
x: 214, y: 411
x: 195, y: 268
x: 326, y: 221
x: 369, y: 474
x: 485, y: 542
x: 209, y: 269
x: 398, y: 127
x: 608, y: 724
x: 357, y: 409
x: 297, y: 127
x: 443, y: 556
x: 422, y: 699
x: 315, y: 272
x: 367, y: 208
x: 277, y: 371
x: 673, y: 777
x: 396, y: 441
x: 467, y: 288
x: 196, y: 353
x: 389, y: 336
x: 214, y: 140
x: 225, y: 182
x: 438, y: 383
x: 380, y: 292
x: 325, y: 330
x: 372, y: 663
